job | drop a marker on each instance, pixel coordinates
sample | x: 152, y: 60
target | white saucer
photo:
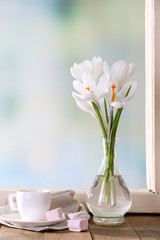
x: 15, y: 219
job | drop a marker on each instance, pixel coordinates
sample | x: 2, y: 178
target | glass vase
x: 108, y: 199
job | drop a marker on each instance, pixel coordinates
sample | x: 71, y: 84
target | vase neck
x: 109, y: 147
x: 109, y: 164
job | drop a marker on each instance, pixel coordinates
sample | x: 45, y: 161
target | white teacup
x: 31, y: 204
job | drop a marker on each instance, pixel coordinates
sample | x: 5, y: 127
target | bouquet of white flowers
x: 103, y: 93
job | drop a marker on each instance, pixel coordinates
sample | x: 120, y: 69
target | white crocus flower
x: 88, y: 84
x: 93, y: 67
x: 119, y: 83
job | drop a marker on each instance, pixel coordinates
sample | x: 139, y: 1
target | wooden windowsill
x: 143, y: 201
x: 141, y: 226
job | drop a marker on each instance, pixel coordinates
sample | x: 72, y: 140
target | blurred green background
x: 45, y: 139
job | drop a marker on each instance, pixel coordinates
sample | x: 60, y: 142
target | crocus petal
x: 103, y: 94
x: 108, y: 94
x: 96, y: 60
x: 106, y: 68
x: 82, y: 97
x: 79, y: 87
x: 88, y: 81
x: 122, y: 93
x: 76, y: 71
x: 117, y: 104
x: 101, y: 101
x: 103, y: 90
x: 131, y: 92
x: 88, y: 97
x: 97, y: 67
x: 85, y: 106
x: 131, y: 69
x: 102, y: 84
x: 119, y: 73
x: 87, y: 66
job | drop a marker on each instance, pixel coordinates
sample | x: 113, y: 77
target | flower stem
x: 115, y: 123
x: 110, y: 120
x: 108, y: 181
x: 99, y: 118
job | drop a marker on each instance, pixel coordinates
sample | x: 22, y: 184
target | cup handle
x: 11, y: 201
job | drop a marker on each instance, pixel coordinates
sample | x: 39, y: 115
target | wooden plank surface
x: 146, y: 226
x: 142, y: 226
x: 7, y: 233
x: 120, y: 232
x: 67, y: 235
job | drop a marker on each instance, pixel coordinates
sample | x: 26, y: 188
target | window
x: 43, y: 133
x: 42, y: 93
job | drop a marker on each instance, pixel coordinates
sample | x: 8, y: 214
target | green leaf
x: 106, y: 112
x: 117, y: 117
x: 111, y: 120
x: 115, y: 123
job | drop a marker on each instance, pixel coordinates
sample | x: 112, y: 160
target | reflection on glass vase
x: 108, y: 198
